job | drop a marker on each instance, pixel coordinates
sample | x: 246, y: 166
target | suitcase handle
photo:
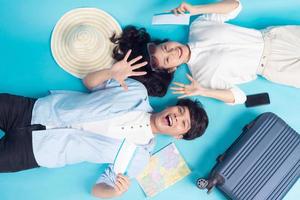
x: 245, y: 129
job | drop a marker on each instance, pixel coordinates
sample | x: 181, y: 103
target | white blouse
x: 222, y: 54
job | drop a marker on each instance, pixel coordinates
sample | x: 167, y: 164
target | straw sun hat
x: 80, y: 41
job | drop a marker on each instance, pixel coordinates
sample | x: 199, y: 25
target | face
x: 170, y: 55
x: 174, y: 121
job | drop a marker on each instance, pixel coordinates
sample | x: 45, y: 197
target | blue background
x: 27, y: 68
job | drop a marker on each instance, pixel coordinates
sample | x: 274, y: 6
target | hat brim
x: 80, y: 41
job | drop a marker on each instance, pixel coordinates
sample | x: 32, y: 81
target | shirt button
x: 264, y: 56
x: 262, y: 65
x: 141, y: 126
x: 147, y: 125
x: 122, y: 128
x: 132, y: 127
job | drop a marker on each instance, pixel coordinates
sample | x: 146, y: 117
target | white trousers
x: 280, y: 62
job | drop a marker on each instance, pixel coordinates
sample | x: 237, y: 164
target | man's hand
x: 123, y: 69
x: 122, y: 184
x: 103, y: 190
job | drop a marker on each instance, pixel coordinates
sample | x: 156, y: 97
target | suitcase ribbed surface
x: 248, y: 147
x: 263, y: 163
x: 287, y: 181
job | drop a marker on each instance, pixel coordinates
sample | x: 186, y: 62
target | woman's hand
x: 122, y: 184
x: 193, y: 89
x: 123, y: 69
x: 184, y: 7
x: 222, y: 7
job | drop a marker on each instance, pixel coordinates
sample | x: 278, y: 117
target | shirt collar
x: 144, y: 135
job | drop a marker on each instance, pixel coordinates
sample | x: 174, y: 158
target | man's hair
x: 199, y: 119
x: 137, y: 39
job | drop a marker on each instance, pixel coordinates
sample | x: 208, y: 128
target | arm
x: 194, y: 89
x: 223, y: 7
x: 97, y: 78
x: 111, y: 185
x: 119, y: 71
x: 222, y: 95
x: 103, y: 190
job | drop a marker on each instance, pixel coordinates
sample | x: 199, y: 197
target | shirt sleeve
x: 108, y: 177
x: 216, y: 17
x: 102, y: 86
x: 239, y: 95
x: 112, y: 83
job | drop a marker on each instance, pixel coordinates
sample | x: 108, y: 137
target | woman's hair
x: 137, y: 39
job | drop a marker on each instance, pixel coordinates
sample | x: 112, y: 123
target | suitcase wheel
x: 202, y: 183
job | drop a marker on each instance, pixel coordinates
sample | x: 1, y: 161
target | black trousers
x: 16, y: 151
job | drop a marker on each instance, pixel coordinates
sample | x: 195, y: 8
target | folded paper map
x: 165, y: 168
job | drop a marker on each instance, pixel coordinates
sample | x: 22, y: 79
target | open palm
x: 192, y: 89
x: 124, y: 69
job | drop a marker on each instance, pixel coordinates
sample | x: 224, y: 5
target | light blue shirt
x: 61, y: 146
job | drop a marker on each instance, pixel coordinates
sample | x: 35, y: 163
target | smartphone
x: 257, y: 99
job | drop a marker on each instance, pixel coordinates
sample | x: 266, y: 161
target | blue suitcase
x: 262, y: 164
